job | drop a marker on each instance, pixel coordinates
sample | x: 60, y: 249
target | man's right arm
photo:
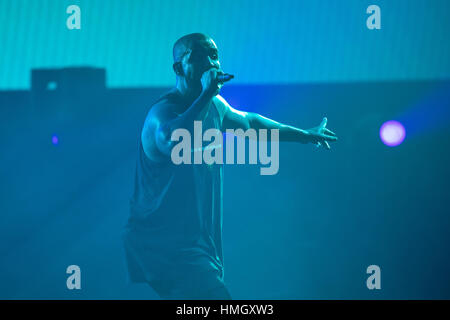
x: 163, y: 119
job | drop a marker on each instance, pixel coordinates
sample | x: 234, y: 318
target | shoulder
x: 220, y: 101
x: 163, y: 110
x: 222, y: 105
x: 166, y: 107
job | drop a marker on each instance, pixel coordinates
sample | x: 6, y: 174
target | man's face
x: 201, y: 56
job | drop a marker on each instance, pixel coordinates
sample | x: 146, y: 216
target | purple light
x: 392, y: 133
x: 55, y: 140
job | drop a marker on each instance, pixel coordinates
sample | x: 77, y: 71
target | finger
x: 329, y: 132
x: 318, y: 144
x: 326, y: 145
x: 328, y: 138
x: 323, y: 124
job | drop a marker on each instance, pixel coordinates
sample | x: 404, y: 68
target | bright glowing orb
x: 392, y: 133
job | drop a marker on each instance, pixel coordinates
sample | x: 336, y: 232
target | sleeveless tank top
x: 176, y: 210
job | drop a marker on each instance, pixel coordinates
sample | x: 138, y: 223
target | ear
x: 177, y: 67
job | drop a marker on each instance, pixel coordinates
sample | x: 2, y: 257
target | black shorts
x: 194, y: 280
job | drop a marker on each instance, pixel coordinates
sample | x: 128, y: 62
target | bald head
x: 193, y: 55
x: 187, y: 42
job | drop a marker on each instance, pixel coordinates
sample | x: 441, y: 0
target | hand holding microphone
x: 212, y: 80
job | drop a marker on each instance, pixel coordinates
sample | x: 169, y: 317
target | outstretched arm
x: 235, y: 119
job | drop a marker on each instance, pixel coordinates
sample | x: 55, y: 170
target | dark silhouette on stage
x: 173, y: 239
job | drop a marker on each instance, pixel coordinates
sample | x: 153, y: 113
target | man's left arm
x: 236, y: 119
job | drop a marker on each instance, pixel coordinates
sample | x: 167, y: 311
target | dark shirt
x: 175, y: 224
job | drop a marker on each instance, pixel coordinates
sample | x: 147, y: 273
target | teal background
x: 308, y: 232
x: 259, y: 41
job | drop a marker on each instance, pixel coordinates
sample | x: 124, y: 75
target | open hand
x: 320, y: 135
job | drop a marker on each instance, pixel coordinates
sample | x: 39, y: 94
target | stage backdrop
x: 270, y: 41
x: 72, y: 104
x: 310, y: 231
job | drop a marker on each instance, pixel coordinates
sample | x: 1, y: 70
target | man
x: 173, y: 240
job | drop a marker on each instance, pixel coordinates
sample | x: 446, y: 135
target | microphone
x: 224, y: 77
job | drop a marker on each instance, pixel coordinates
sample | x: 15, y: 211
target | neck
x: 189, y: 93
